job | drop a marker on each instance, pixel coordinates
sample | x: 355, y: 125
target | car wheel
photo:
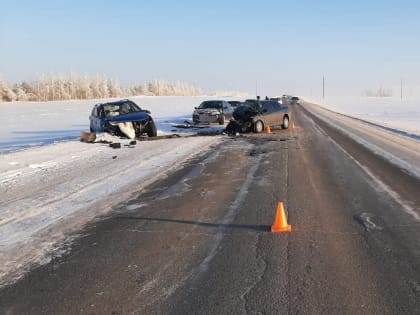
x: 151, y: 129
x: 222, y: 120
x: 285, y: 122
x: 258, y: 126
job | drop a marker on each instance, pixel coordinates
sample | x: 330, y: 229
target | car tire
x: 286, y: 122
x: 222, y: 120
x: 258, y: 126
x: 151, y: 129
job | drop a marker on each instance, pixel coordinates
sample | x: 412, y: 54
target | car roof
x: 115, y: 102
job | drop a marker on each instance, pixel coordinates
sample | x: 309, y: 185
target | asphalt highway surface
x: 199, y: 241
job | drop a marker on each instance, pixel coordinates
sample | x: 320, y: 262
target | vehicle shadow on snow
x: 258, y: 228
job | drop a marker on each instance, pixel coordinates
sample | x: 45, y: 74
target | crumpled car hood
x: 245, y: 112
x: 135, y: 116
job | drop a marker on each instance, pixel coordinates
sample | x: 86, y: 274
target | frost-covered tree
x: 6, y: 94
x: 114, y: 88
x: 103, y: 88
x: 59, y: 87
x: 20, y: 93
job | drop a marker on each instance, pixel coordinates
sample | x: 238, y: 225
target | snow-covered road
x: 400, y: 149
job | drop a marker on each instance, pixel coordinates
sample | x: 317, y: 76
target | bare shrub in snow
x: 378, y: 93
x: 165, y: 88
x: 6, y: 94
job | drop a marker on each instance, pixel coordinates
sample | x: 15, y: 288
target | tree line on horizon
x: 56, y: 88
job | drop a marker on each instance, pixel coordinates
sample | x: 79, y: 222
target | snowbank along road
x: 198, y: 240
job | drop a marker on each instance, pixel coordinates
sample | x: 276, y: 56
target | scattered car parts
x: 88, y: 137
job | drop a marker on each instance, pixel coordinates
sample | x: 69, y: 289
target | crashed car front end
x: 244, y: 119
x: 133, y: 125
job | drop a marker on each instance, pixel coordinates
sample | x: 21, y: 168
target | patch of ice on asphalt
x: 367, y: 220
x: 136, y: 206
x: 263, y: 182
x: 42, y: 165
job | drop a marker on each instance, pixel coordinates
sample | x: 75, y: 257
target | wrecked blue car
x: 122, y: 118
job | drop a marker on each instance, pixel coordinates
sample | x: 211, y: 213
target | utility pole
x: 256, y: 88
x: 401, y: 88
x: 323, y: 87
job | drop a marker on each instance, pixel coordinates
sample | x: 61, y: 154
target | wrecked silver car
x: 212, y: 112
x: 122, y: 118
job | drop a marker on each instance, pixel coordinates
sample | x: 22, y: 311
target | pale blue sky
x: 287, y: 46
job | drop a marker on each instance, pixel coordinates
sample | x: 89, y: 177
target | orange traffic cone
x: 293, y: 125
x: 267, y: 130
x: 280, y: 222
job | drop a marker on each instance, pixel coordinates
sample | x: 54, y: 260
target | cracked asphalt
x: 198, y: 242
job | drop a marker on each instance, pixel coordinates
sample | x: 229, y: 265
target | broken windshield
x: 210, y: 104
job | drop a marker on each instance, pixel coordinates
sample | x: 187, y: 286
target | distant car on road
x: 256, y: 115
x: 122, y: 118
x: 215, y: 111
x: 285, y: 99
x: 294, y: 100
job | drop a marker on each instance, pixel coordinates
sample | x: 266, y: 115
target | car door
x: 278, y: 114
x: 98, y: 117
x: 267, y: 112
x: 227, y: 110
x: 93, y: 119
